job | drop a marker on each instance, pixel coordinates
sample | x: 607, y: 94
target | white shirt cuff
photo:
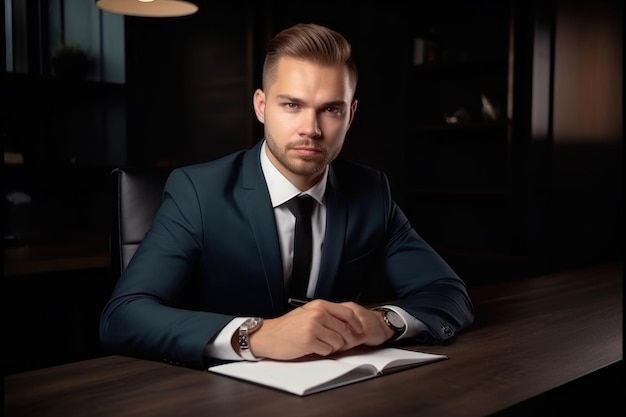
x: 413, y: 325
x: 222, y: 348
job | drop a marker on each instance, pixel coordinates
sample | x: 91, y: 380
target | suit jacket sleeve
x: 150, y: 313
x: 381, y: 242
x: 438, y: 298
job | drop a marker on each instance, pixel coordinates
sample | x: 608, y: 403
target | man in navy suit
x: 209, y: 279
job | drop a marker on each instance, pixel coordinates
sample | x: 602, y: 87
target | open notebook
x: 311, y: 375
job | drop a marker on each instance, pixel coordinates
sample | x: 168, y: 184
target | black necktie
x: 301, y: 207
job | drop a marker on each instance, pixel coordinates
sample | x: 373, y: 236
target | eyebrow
x: 335, y: 103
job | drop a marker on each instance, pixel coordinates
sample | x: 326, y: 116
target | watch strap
x: 245, y: 330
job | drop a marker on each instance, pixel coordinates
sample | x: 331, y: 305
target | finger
x: 327, y: 343
x: 327, y: 328
x: 340, y: 312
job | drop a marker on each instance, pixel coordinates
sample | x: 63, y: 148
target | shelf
x: 88, y: 253
x: 463, y: 127
x: 460, y: 69
x: 459, y: 192
x: 458, y: 151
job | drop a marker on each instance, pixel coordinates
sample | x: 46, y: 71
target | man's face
x: 307, y: 111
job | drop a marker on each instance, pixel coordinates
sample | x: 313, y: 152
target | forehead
x: 299, y: 77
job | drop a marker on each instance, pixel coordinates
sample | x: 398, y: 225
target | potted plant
x: 70, y: 62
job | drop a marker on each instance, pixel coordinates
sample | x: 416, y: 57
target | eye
x: 334, y: 110
x: 291, y: 106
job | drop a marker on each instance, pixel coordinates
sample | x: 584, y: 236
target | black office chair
x: 136, y: 199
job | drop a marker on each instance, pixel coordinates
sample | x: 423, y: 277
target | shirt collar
x: 281, y: 190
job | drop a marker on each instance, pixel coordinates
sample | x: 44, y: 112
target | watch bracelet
x: 244, y: 343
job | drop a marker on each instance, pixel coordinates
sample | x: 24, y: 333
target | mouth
x: 306, y: 151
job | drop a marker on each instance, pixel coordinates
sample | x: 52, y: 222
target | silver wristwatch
x: 393, y: 320
x: 245, y: 330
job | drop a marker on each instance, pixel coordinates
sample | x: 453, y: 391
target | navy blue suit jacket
x: 212, y: 253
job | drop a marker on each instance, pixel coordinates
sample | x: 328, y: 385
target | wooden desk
x: 531, y: 336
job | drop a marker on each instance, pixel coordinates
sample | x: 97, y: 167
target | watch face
x: 395, y: 319
x: 252, y: 323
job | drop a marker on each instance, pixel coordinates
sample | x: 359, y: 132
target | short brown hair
x: 313, y: 43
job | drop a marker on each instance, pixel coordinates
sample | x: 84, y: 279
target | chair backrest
x: 136, y: 198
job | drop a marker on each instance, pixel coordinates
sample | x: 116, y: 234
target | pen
x: 298, y: 302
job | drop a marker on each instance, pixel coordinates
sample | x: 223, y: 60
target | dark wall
x: 189, y: 82
x: 188, y: 95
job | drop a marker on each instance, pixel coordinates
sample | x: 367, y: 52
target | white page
x: 388, y: 357
x: 297, y: 376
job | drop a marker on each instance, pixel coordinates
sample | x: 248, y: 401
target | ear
x: 353, y: 107
x: 258, y: 101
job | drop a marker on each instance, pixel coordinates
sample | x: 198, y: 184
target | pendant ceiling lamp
x: 148, y: 8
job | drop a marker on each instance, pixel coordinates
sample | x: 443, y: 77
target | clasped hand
x: 319, y: 327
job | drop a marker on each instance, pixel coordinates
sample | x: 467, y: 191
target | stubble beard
x: 304, y: 166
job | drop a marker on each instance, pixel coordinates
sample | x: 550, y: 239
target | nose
x: 310, y: 126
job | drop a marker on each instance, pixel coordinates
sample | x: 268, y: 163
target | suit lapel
x: 336, y: 218
x: 259, y: 208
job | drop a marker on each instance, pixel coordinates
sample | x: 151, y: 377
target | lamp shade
x: 148, y: 8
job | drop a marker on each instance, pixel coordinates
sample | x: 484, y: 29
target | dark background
x: 499, y: 199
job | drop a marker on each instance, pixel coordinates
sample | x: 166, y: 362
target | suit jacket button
x: 447, y: 331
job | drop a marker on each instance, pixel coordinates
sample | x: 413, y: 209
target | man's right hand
x: 319, y: 327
